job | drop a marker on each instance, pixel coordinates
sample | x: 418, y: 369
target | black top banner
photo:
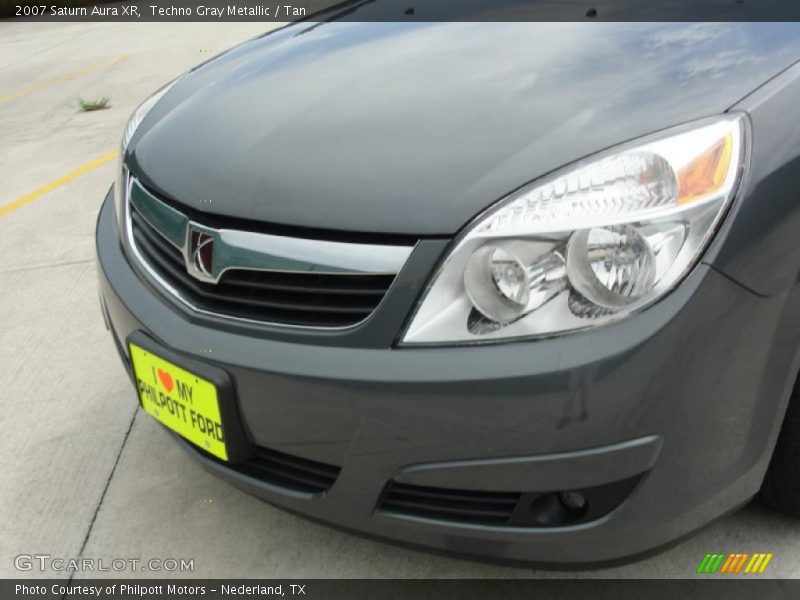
x: 404, y: 10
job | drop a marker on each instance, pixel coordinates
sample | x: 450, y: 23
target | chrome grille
x: 288, y: 297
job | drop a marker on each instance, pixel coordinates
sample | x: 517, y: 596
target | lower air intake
x: 556, y: 508
x: 285, y: 471
x: 489, y: 508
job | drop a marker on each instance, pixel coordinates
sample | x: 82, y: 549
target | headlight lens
x: 590, y: 244
x: 130, y: 128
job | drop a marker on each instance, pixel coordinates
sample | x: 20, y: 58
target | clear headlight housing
x: 130, y: 129
x: 591, y: 243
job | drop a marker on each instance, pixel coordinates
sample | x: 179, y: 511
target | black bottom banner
x: 396, y: 589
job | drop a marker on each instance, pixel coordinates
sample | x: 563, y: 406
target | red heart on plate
x: 166, y: 380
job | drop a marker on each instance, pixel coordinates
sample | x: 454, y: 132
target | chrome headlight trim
x: 138, y: 115
x: 444, y: 315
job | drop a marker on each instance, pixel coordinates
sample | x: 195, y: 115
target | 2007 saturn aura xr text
x: 527, y: 291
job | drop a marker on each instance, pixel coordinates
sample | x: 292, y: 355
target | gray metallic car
x: 509, y: 290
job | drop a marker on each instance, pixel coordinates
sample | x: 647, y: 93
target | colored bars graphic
x: 734, y: 563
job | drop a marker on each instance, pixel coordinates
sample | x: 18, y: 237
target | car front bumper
x: 686, y: 398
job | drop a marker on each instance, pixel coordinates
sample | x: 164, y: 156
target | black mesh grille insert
x: 308, y: 299
x: 490, y: 508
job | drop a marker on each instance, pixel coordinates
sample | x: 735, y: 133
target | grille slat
x: 289, y: 478
x: 285, y: 470
x: 450, y: 509
x: 168, y: 260
x: 292, y: 472
x: 263, y: 283
x: 321, y: 470
x: 142, y: 227
x: 307, y: 299
x: 219, y: 293
x: 436, y: 495
x: 494, y: 508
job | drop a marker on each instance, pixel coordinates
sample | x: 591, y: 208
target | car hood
x: 416, y: 128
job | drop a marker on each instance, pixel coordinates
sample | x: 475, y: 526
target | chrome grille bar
x: 256, y: 276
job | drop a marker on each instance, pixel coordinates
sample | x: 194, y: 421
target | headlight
x: 591, y: 243
x: 140, y: 113
x: 130, y: 128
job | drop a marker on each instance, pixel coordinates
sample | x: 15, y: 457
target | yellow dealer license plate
x: 179, y: 399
